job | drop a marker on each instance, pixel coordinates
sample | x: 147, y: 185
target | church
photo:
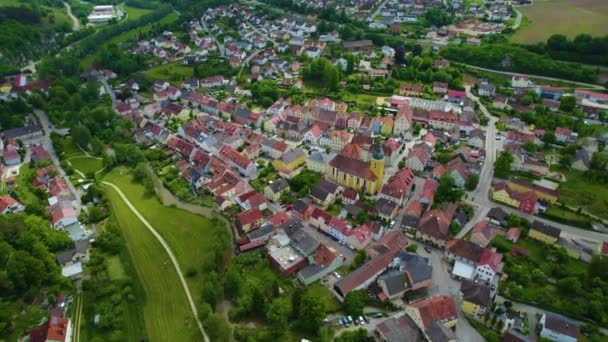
x: 357, y: 174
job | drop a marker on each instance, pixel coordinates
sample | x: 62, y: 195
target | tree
x: 416, y: 49
x: 471, y: 183
x: 447, y: 192
x: 82, y: 136
x: 277, y: 315
x: 359, y: 335
x: 400, y: 55
x: 354, y: 302
x: 412, y: 248
x: 359, y: 257
x: 567, y: 103
x: 217, y: 328
x: 502, y: 165
x: 311, y: 313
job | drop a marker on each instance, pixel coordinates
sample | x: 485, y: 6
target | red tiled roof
x: 278, y: 219
x: 438, y: 308
x: 414, y: 208
x: 250, y: 216
x: 324, y: 256
x: 434, y: 223
x: 491, y: 259
x: 352, y: 166
x: 6, y: 201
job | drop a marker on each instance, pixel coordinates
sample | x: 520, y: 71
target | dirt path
x: 75, y: 21
x: 169, y: 252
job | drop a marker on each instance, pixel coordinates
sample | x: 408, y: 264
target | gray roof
x: 262, y: 232
x: 385, y: 206
x: 21, y: 131
x: 279, y: 185
x: 438, y: 332
x: 319, y: 193
x: 417, y: 266
x: 562, y: 325
x: 394, y: 280
x: 320, y: 157
x: 292, y: 155
x: 546, y: 229
x: 399, y: 329
x: 304, y: 243
x: 477, y: 293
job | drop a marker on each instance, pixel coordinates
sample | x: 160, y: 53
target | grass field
x: 115, y: 268
x: 134, y: 13
x: 578, y: 192
x: 69, y: 148
x: 568, y: 17
x: 173, y: 72
x: 86, y: 164
x: 167, y: 314
x: 186, y: 233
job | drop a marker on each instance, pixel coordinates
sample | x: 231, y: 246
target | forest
x: 583, y: 48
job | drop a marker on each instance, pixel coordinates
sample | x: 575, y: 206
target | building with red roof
x: 250, y: 219
x: 324, y: 261
x: 56, y: 329
x: 238, y: 161
x: 563, y: 134
x: 483, y: 233
x: 398, y: 187
x: 427, y: 196
x: 513, y: 234
x: 9, y: 205
x: 433, y: 227
x: 438, y: 308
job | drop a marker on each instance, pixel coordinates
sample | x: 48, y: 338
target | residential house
x: 78, y: 252
x: 324, y: 192
x: 559, y: 329
x: 476, y: 297
x: 290, y: 161
x: 427, y: 196
x: 403, y: 120
x: 484, y: 88
x: 56, y: 329
x: 387, y: 209
x: 318, y: 161
x: 274, y: 190
x: 419, y: 157
x: 440, y: 88
x: 399, y: 328
x: 9, y: 205
x: 546, y: 194
x: 545, y: 233
x: 239, y: 162
x: 407, y: 272
x: 500, y: 101
x: 439, y: 308
x: 433, y: 227
x: 406, y: 89
x: 563, y: 134
x: 521, y: 81
x: 62, y: 215
x: 472, y: 261
x: 250, y: 219
x: 483, y: 233
x: 323, y: 262
x: 399, y: 186
x: 524, y: 201
x: 302, y: 210
x: 551, y: 93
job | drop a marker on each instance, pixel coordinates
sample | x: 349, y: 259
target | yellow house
x: 274, y: 190
x: 387, y: 126
x: 475, y: 297
x: 291, y: 160
x: 318, y: 161
x: 357, y: 174
x: 501, y: 194
x: 543, y: 193
x: 5, y: 88
x: 541, y: 232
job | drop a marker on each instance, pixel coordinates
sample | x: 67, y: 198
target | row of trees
x: 517, y: 59
x: 583, y: 48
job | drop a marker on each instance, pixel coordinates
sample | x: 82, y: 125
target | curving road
x: 169, y: 252
x: 517, y: 19
x: 507, y: 73
x: 75, y: 21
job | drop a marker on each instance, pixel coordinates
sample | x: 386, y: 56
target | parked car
x: 428, y: 249
x: 362, y: 320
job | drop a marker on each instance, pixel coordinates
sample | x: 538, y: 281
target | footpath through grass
x: 188, y: 235
x: 167, y: 313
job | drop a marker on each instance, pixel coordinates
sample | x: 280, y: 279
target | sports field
x: 568, y: 17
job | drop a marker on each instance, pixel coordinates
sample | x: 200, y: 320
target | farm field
x: 166, y: 311
x: 187, y: 234
x: 568, y: 17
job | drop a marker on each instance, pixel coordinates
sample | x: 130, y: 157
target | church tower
x: 377, y: 167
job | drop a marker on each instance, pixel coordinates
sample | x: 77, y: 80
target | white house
x: 559, y: 329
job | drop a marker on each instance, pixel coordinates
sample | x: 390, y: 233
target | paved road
x: 373, y: 15
x: 444, y: 284
x: 246, y: 60
x: 532, y: 76
x: 220, y: 46
x: 108, y: 89
x: 75, y: 21
x: 169, y: 252
x: 48, y: 145
x: 480, y: 197
x: 517, y: 19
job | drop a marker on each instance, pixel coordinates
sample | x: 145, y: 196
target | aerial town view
x: 298, y: 171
